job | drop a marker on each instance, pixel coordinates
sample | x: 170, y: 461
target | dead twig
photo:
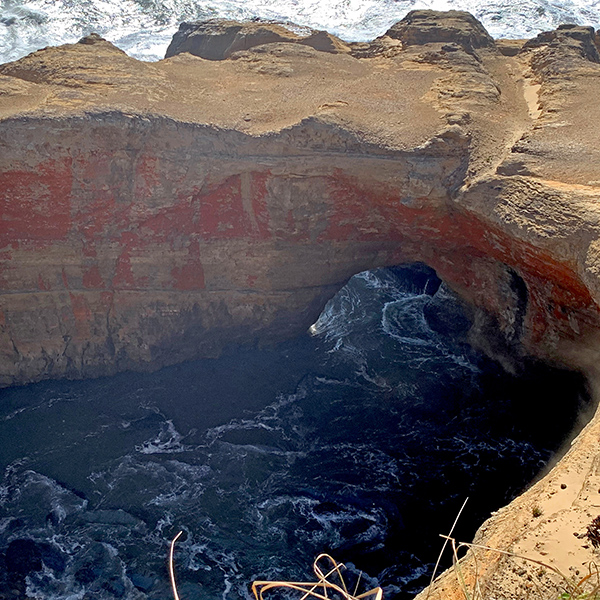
x: 321, y: 587
x: 171, y: 568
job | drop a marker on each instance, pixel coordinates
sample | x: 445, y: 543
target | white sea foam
x: 144, y: 29
x: 168, y: 441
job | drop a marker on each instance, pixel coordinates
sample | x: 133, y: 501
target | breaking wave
x: 143, y: 28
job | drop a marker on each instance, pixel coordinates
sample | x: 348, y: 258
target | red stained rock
x: 34, y: 204
x: 230, y: 200
x: 189, y: 276
x: 92, y: 279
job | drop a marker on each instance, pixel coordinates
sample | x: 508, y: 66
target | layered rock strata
x: 155, y: 212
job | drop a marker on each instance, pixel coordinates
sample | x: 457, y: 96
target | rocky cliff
x: 157, y: 212
x: 154, y: 212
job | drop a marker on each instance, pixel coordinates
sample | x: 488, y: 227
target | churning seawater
x: 143, y: 28
x: 361, y: 440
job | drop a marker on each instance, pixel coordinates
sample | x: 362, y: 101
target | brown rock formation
x: 156, y: 212
x: 421, y: 27
x: 546, y: 190
x: 151, y: 213
x: 218, y: 39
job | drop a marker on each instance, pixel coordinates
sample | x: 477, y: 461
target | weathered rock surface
x: 157, y: 212
x: 217, y: 39
x: 151, y: 213
x: 421, y: 27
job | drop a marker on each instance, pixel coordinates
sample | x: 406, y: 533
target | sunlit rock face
x: 152, y: 213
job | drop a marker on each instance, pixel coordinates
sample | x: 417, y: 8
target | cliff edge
x: 155, y: 212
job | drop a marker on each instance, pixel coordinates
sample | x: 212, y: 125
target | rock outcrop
x: 151, y: 213
x: 218, y: 39
x: 421, y: 27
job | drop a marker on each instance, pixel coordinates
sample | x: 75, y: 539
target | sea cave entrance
x: 477, y: 430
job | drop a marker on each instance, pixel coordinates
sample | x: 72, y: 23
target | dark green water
x: 361, y: 440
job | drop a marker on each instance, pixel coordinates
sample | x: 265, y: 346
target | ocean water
x: 360, y: 438
x: 143, y: 28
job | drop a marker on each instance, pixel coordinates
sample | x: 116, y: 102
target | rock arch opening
x: 474, y: 427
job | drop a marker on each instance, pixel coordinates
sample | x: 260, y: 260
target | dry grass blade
x: 573, y: 589
x: 318, y: 589
x: 312, y: 589
x: 437, y: 564
x: 171, y: 568
x: 321, y: 588
x: 513, y: 555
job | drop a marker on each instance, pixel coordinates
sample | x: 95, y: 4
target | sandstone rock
x: 562, y: 70
x: 561, y: 51
x: 149, y: 209
x: 152, y: 213
x: 92, y: 38
x: 324, y: 41
x: 421, y: 27
x: 217, y: 39
x: 445, y: 314
x: 73, y: 72
x: 509, y: 47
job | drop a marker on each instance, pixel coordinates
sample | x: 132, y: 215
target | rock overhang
x: 406, y: 148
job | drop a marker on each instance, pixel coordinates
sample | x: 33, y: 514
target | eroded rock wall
x: 132, y: 243
x: 157, y: 212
